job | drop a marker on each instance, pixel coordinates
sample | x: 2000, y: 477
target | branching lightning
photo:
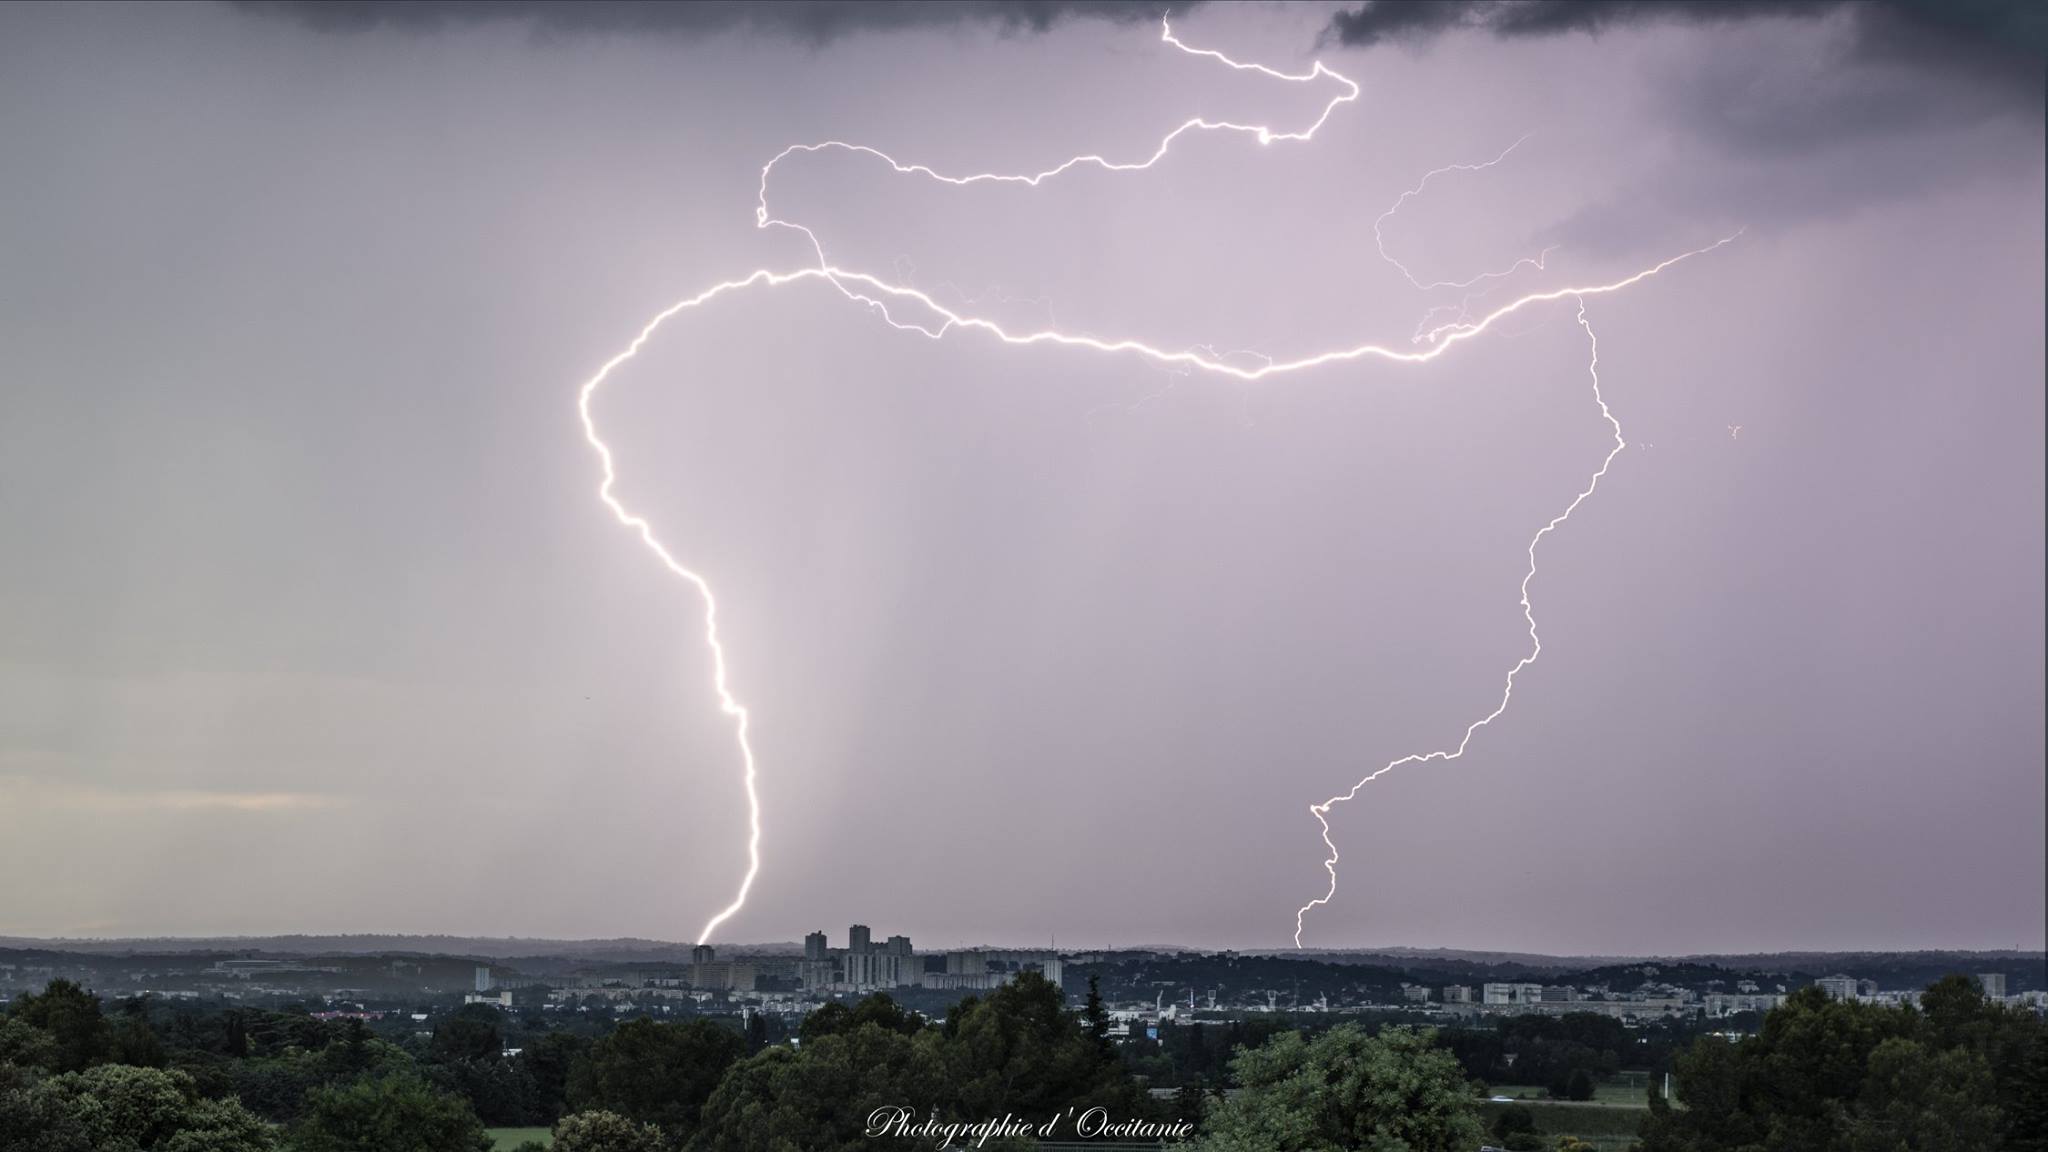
x: 1380, y: 241
x: 878, y: 294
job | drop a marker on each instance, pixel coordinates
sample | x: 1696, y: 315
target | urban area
x: 317, y: 1044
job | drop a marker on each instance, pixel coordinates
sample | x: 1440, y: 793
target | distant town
x: 299, y: 1044
x: 380, y: 976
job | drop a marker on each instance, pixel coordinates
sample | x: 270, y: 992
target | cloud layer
x: 806, y: 21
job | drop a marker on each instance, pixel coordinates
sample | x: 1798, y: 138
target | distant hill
x: 620, y: 950
x: 626, y: 950
x: 1892, y: 969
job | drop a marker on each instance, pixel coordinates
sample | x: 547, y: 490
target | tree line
x: 1958, y: 1074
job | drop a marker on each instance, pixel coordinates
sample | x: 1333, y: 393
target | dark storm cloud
x: 1995, y: 47
x: 1880, y: 88
x: 1380, y: 20
x: 2008, y: 30
x: 809, y: 21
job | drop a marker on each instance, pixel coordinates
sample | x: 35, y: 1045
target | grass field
x: 510, y: 1138
x: 1602, y: 1126
x: 1612, y: 1095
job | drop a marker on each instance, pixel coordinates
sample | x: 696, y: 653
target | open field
x: 1611, y: 1095
x: 1592, y: 1122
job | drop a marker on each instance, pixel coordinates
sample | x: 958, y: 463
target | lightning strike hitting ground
x: 877, y: 294
x: 1322, y: 811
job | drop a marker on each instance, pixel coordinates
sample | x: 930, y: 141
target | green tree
x: 394, y: 1113
x: 548, y: 1061
x: 472, y: 1033
x: 353, y: 1053
x: 500, y: 1092
x: 1096, y: 1013
x: 133, y: 1041
x: 221, y: 1126
x: 1924, y: 1101
x: 1823, y: 1075
x: 655, y: 1073
x: 1020, y: 1051
x: 606, y: 1132
x: 1515, y: 1127
x: 118, y: 1108
x: 276, y: 1087
x: 1344, y: 1090
x: 1580, y: 1086
x: 836, y: 1018
x: 1958, y: 1015
x: 23, y: 1048
x: 825, y: 1095
x: 71, y: 1015
x: 2027, y: 1119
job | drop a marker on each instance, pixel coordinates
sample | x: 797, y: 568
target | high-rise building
x: 858, y: 968
x: 897, y: 946
x: 814, y: 947
x: 857, y: 939
x: 483, y: 978
x: 1993, y: 984
x: 1457, y: 994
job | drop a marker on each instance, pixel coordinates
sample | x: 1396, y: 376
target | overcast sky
x: 311, y: 619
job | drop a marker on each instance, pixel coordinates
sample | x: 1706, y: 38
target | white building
x: 1720, y: 1004
x: 1837, y: 987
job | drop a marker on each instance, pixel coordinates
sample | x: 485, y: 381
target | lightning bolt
x: 878, y: 295
x: 1322, y: 811
x: 1380, y: 241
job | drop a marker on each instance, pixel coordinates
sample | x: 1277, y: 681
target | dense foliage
x: 1958, y: 1074
x: 1345, y: 1090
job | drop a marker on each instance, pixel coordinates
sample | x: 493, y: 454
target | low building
x: 1837, y: 987
x: 1719, y: 1004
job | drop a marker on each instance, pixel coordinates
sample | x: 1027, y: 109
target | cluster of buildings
x: 1513, y: 999
x: 1867, y: 991
x: 1650, y: 999
x: 864, y: 965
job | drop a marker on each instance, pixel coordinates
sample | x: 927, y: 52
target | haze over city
x: 315, y: 622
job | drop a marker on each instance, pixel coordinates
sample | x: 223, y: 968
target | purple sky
x: 312, y: 620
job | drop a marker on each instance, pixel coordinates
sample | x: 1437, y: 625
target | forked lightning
x: 878, y: 294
